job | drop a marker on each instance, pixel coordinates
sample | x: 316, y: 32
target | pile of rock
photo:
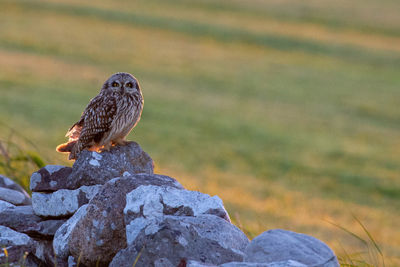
x: 110, y: 209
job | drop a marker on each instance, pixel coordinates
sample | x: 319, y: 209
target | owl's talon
x: 120, y: 142
x: 105, y: 148
x: 94, y: 148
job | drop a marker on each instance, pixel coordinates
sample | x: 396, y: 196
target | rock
x: 163, y: 262
x: 124, y: 257
x: 63, y: 234
x: 44, y: 252
x: 18, y: 256
x: 19, y: 218
x: 100, y: 234
x: 46, y: 229
x: 17, y: 244
x: 10, y: 184
x: 71, y: 262
x: 192, y: 263
x: 5, y: 205
x: 14, y: 197
x: 281, y: 245
x: 93, y: 168
x: 9, y: 237
x: 63, y: 202
x: 50, y: 178
x: 205, y: 238
x: 23, y: 220
x: 153, y: 202
x: 288, y: 263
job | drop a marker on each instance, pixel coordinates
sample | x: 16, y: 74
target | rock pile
x: 110, y: 209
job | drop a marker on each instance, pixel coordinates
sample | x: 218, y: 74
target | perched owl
x: 108, y: 118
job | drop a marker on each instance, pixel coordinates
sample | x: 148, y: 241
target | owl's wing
x: 75, y: 131
x: 97, y: 119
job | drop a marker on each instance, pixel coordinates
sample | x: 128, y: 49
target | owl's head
x: 121, y: 82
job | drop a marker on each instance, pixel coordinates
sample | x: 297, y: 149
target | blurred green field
x: 288, y: 110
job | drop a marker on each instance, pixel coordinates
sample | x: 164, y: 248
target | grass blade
x: 371, y: 239
x: 349, y: 232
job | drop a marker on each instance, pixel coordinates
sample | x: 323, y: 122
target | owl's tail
x: 68, y: 147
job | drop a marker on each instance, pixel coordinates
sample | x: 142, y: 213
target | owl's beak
x: 122, y: 90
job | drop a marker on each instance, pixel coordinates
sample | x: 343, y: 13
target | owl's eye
x: 115, y: 84
x: 130, y: 85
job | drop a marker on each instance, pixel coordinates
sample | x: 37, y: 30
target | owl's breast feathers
x: 129, y: 112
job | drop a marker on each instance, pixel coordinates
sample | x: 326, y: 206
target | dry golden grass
x: 316, y: 137
x: 257, y: 206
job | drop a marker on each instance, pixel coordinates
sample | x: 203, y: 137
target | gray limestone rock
x: 192, y: 263
x: 50, y: 178
x: 19, y: 218
x: 23, y: 220
x: 148, y: 203
x: 63, y: 202
x: 10, y: 184
x: 5, y: 205
x: 63, y: 234
x: 163, y: 262
x: 125, y: 257
x: 72, y: 262
x: 93, y: 168
x: 17, y: 244
x: 205, y: 238
x: 19, y: 256
x: 281, y: 245
x: 44, y: 252
x: 9, y: 237
x: 14, y: 197
x: 46, y: 228
x: 100, y: 234
x: 288, y: 263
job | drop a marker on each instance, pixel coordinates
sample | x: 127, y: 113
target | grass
x: 291, y: 105
x: 373, y: 255
x: 21, y: 262
x: 18, y: 158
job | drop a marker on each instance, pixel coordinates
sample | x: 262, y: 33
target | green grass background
x: 288, y: 110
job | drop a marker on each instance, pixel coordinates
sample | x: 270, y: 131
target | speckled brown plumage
x: 108, y: 118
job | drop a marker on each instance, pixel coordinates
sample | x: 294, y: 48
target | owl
x: 108, y: 118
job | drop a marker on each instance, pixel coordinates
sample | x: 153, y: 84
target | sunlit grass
x: 19, y: 157
x: 260, y: 207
